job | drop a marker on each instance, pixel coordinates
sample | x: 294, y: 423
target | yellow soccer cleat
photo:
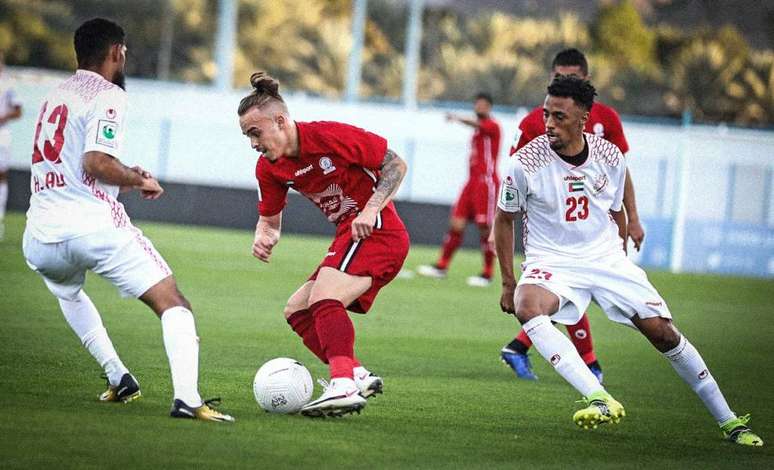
x: 206, y: 412
x: 736, y: 431
x: 601, y: 408
x: 127, y: 390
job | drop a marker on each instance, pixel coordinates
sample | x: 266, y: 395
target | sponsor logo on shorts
x: 327, y: 165
x: 703, y: 374
x: 581, y: 334
x: 555, y: 359
x: 654, y: 304
x: 304, y: 170
x: 330, y: 253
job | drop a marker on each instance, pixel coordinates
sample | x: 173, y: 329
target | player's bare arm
x: 462, y: 120
x: 503, y: 239
x: 634, y: 227
x: 620, y: 220
x: 267, y: 234
x: 110, y: 170
x: 391, y: 173
x: 14, y: 113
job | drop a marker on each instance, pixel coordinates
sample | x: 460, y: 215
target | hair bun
x: 264, y: 83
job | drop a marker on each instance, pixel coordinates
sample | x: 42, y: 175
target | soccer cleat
x: 736, y: 431
x: 127, y: 390
x: 339, y: 398
x: 519, y: 363
x: 479, y: 281
x: 431, y: 271
x: 369, y: 384
x: 601, y: 408
x: 596, y: 369
x: 206, y: 412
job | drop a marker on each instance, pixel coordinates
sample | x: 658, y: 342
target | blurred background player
x: 75, y: 223
x: 477, y: 200
x: 574, y: 253
x: 351, y: 175
x: 603, y: 122
x: 10, y: 109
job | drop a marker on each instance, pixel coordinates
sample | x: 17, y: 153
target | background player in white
x: 10, y: 109
x: 569, y: 187
x: 75, y: 223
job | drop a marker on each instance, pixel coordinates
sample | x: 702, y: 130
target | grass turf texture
x: 448, y: 400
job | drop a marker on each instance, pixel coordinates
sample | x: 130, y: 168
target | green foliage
x: 620, y: 34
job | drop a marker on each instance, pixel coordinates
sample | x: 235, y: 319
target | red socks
x: 450, y: 244
x: 489, y: 256
x: 337, y: 336
x: 580, y: 335
x: 302, y: 323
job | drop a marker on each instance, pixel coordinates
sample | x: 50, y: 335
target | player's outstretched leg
x: 690, y: 366
x: 601, y: 407
x: 337, y: 335
x: 182, y: 346
x: 85, y: 321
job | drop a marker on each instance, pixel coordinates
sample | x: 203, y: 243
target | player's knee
x: 664, y: 337
x: 526, y: 311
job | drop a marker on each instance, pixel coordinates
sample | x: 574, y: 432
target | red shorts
x: 477, y: 201
x: 379, y: 257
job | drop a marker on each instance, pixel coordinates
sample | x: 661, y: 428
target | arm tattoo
x: 390, y: 177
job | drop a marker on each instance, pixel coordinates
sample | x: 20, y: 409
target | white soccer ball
x: 283, y: 385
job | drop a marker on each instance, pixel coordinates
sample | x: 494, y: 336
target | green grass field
x: 448, y: 402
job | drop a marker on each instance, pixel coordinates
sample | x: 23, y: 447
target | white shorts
x: 5, y: 157
x: 122, y: 256
x: 617, y: 285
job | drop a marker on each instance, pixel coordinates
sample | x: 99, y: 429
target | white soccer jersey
x: 8, y: 101
x: 565, y: 209
x: 84, y: 113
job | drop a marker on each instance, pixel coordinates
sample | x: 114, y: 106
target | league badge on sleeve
x: 509, y: 196
x: 107, y: 133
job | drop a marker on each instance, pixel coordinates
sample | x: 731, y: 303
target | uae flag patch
x: 576, y: 186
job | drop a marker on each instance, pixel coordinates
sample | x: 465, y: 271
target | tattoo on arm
x: 392, y: 171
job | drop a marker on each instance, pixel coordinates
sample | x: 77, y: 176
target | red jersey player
x: 603, y: 122
x: 351, y: 175
x: 478, y: 198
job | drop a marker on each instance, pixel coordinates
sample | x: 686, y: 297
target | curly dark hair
x: 581, y: 91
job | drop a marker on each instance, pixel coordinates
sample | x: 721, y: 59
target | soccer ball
x: 283, y: 385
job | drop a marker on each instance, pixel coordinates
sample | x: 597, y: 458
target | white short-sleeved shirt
x: 84, y: 113
x: 565, y: 209
x: 8, y: 101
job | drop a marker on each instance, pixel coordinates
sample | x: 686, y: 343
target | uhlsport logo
x: 326, y: 164
x: 555, y: 359
x: 703, y: 374
x: 581, y: 334
x: 110, y: 113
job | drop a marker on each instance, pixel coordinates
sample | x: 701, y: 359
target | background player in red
x: 351, y: 175
x: 603, y: 122
x: 478, y: 198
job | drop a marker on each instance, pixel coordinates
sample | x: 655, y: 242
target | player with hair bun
x: 351, y: 175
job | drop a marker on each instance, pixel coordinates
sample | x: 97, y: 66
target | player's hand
x: 506, y: 299
x: 636, y: 233
x: 262, y: 246
x: 150, y: 188
x: 363, y: 225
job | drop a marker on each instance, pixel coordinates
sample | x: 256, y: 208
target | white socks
x: 3, y: 198
x: 182, y: 346
x: 690, y: 366
x: 83, y: 318
x: 559, y: 351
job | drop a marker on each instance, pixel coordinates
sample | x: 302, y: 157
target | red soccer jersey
x: 337, y: 169
x: 484, y: 147
x: 603, y: 122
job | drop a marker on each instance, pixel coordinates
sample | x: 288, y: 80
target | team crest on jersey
x: 326, y: 164
x: 600, y: 183
x: 107, y: 131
